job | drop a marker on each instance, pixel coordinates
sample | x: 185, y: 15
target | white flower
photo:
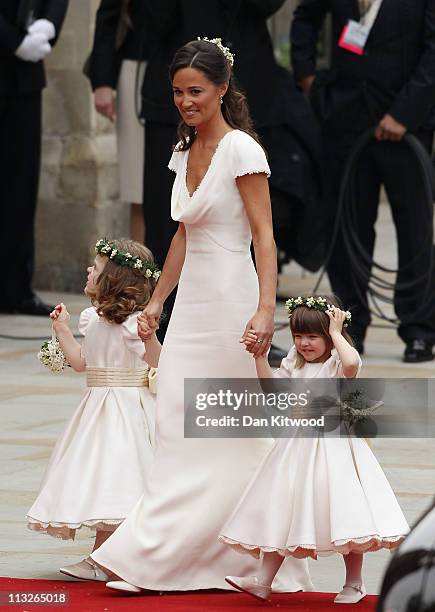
x: 114, y: 252
x: 138, y: 264
x: 156, y: 274
x: 128, y: 255
x: 148, y: 273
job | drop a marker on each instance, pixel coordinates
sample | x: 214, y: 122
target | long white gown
x: 111, y: 430
x: 169, y: 541
x: 316, y: 496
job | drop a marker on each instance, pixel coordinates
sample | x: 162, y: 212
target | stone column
x: 78, y: 197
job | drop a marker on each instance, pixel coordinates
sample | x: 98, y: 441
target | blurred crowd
x: 381, y: 77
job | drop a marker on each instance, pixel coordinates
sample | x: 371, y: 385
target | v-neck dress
x: 169, y: 540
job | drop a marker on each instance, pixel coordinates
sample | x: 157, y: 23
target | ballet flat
x: 351, y: 594
x: 85, y: 570
x: 122, y: 585
x: 251, y: 586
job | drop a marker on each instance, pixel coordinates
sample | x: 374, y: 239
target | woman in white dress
x: 221, y: 200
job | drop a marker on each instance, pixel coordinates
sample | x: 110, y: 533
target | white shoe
x: 351, y: 594
x: 85, y: 570
x: 122, y: 585
x: 251, y: 586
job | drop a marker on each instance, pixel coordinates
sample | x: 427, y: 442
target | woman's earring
x: 221, y: 98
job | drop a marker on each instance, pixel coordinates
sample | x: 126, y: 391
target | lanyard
x: 370, y: 17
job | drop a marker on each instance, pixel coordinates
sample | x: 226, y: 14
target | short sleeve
x: 287, y: 366
x: 175, y: 161
x: 131, y: 337
x: 86, y: 316
x: 247, y: 156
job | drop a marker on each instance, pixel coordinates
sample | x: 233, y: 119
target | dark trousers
x: 393, y: 165
x: 158, y: 180
x: 20, y: 153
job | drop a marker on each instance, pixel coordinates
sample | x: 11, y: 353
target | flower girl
x: 98, y: 467
x: 314, y: 496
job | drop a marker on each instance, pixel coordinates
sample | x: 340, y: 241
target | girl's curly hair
x: 121, y: 290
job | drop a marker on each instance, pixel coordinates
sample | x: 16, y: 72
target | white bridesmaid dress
x: 316, y: 496
x: 170, y: 540
x: 99, y: 465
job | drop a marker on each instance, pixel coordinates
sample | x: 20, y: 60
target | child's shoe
x: 351, y: 594
x: 251, y: 586
x: 122, y: 585
x: 85, y: 570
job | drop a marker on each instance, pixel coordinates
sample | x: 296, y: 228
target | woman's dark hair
x: 209, y: 59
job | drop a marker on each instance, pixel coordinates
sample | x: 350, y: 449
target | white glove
x: 33, y: 48
x: 43, y: 26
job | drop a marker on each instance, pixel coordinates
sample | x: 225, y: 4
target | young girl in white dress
x: 316, y: 496
x: 98, y: 467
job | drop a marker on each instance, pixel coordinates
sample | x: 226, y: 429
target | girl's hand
x: 336, y: 320
x: 148, y: 320
x: 262, y: 327
x: 60, y: 314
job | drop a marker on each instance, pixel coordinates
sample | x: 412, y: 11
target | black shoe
x: 276, y: 355
x: 418, y: 350
x: 33, y: 306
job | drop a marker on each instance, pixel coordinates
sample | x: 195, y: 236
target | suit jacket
x: 106, y: 57
x: 396, y: 74
x: 17, y: 75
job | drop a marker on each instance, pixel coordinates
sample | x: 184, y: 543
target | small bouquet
x: 356, y: 412
x: 51, y: 355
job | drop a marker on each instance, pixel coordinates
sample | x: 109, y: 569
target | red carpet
x: 94, y: 596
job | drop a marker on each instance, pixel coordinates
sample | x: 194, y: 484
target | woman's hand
x: 148, y: 320
x: 337, y: 319
x: 60, y: 315
x: 104, y: 100
x: 260, y: 327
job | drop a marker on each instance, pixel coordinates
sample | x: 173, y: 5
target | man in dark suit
x: 22, y: 48
x: 389, y: 84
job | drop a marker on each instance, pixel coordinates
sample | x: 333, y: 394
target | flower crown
x: 108, y: 249
x: 225, y: 50
x: 316, y: 303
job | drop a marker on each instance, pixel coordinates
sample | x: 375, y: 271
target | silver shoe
x: 251, y: 586
x: 85, y: 570
x: 351, y: 594
x: 122, y: 585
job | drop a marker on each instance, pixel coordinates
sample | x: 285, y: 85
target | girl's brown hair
x: 306, y: 320
x: 121, y: 290
x: 209, y: 59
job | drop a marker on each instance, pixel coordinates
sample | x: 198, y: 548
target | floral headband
x: 315, y: 303
x: 225, y: 50
x: 108, y: 249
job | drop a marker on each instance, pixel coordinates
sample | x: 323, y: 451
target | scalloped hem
x: 370, y: 543
x: 67, y: 531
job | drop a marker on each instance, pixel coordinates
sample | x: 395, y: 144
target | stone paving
x: 35, y: 404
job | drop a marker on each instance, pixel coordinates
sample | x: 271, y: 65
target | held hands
x: 104, y: 101
x: 337, y: 319
x: 60, y: 315
x: 258, y: 333
x: 390, y: 129
x: 148, y: 320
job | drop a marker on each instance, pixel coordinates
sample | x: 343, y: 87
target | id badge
x: 354, y: 37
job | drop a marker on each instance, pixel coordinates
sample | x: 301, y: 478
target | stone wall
x: 78, y: 198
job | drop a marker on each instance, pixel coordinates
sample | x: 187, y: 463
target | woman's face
x: 196, y: 98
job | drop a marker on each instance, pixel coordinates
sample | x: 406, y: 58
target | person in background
x: 382, y: 76
x: 23, y: 47
x: 116, y: 69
